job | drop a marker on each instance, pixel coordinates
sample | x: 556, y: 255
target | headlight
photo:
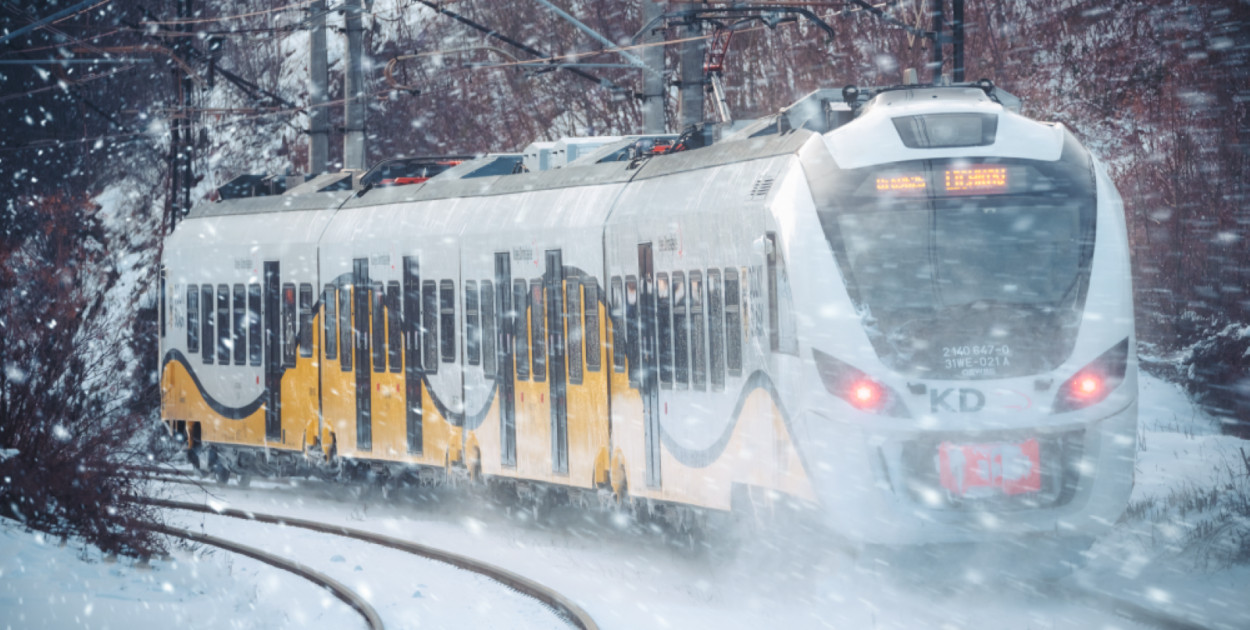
x: 856, y: 387
x: 1094, y: 382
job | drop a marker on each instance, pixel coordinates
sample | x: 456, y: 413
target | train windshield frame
x: 967, y: 268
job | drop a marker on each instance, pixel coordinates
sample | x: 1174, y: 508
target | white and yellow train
x: 908, y: 307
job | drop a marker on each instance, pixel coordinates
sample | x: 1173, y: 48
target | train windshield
x: 967, y: 268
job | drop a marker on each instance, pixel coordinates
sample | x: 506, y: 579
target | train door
x: 649, y: 372
x: 273, y: 351
x: 413, y: 371
x: 360, y: 329
x: 504, y: 347
x: 554, y: 278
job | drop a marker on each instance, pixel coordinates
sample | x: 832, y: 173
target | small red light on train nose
x: 1087, y: 385
x: 865, y: 394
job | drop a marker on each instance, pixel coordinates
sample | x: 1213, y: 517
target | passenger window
x: 664, y: 328
x: 223, y: 324
x: 631, y: 325
x: 239, y: 342
x: 305, y: 320
x: 698, y: 332
x: 345, y: 326
x: 681, y: 332
x: 429, y: 325
x: 330, y: 319
x: 472, y: 333
x: 288, y: 325
x: 254, y: 339
x: 206, y: 323
x: 591, y: 336
x: 619, y: 337
x: 193, y: 319
x: 394, y: 327
x: 447, y: 319
x: 411, y: 315
x: 377, y: 329
x: 716, y: 330
x: 164, y: 288
x: 488, y: 329
x: 573, y: 320
x: 774, y: 333
x: 538, y: 331
x: 519, y: 300
x: 733, y: 323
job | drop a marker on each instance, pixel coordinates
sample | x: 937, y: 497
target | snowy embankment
x: 1172, y: 551
x: 1184, y: 544
x: 44, y: 585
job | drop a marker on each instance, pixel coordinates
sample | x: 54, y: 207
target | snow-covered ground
x: 628, y: 579
x: 46, y: 585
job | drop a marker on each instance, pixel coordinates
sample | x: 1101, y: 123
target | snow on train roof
x: 271, y: 203
x: 873, y: 138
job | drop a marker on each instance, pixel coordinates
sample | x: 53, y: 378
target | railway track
x: 347, y: 595
x: 1104, y: 601
x: 564, y: 607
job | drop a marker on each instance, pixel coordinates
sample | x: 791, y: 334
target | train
x: 906, y: 310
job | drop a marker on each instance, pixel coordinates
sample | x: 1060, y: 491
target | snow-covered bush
x: 1216, y: 371
x: 66, y: 437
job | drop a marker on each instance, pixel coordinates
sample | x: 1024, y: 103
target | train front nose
x: 953, y: 477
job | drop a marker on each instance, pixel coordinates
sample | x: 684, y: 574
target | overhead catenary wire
x: 304, y: 110
x: 59, y: 45
x: 224, y: 18
x: 70, y: 61
x: 66, y: 85
x: 43, y: 22
x: 277, y: 111
x: 492, y: 33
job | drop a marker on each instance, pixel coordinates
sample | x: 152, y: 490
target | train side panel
x: 542, y: 412
x: 242, y: 334
x: 394, y: 393
x: 690, y: 250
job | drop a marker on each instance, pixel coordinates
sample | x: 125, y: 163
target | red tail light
x: 865, y: 394
x: 1086, y: 386
x: 857, y: 388
x: 1094, y: 382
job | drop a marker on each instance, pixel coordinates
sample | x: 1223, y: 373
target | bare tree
x: 65, y: 431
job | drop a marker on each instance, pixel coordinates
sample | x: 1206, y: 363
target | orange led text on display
x: 900, y: 183
x: 976, y: 179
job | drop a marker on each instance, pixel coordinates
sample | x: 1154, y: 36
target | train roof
x: 272, y: 203
x: 603, y: 160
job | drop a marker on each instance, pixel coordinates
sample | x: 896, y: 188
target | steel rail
x: 350, y: 597
x: 1096, y: 599
x: 563, y: 606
